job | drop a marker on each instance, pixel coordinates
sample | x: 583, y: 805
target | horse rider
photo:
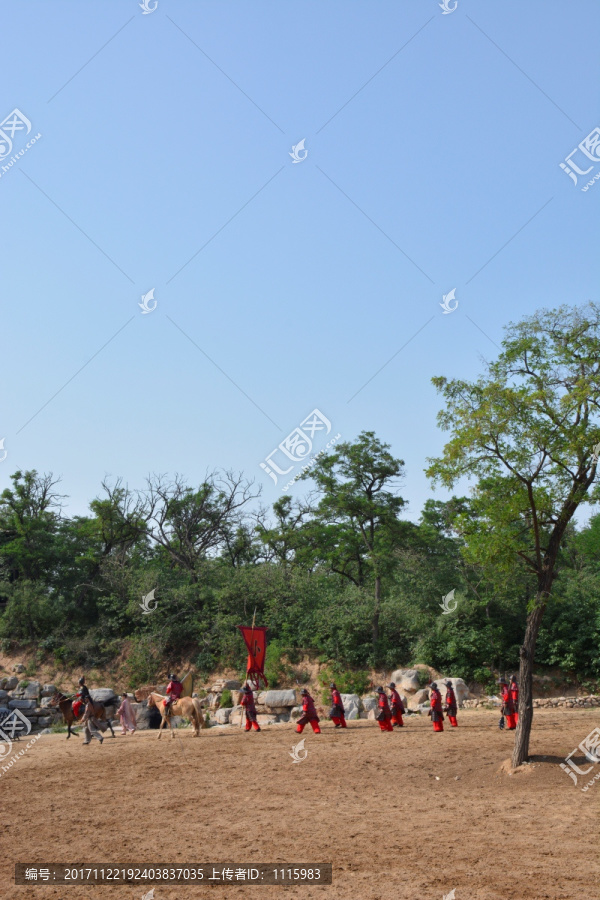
x: 174, y: 690
x: 82, y: 698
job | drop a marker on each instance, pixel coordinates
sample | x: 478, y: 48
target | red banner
x: 256, y: 642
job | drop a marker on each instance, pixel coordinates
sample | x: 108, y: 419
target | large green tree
x: 355, y: 527
x: 527, y: 431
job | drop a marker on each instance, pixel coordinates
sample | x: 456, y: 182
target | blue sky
x: 434, y: 144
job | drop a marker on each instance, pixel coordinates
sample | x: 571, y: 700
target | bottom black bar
x: 207, y: 873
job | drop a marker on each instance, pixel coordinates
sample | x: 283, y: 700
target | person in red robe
x: 174, y: 689
x: 514, y: 693
x: 436, y: 712
x: 247, y: 701
x: 508, y: 707
x: 309, y: 714
x: 451, y: 705
x: 337, y: 713
x: 397, y: 706
x: 384, y: 716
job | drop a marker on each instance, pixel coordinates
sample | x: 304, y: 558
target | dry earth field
x: 368, y: 802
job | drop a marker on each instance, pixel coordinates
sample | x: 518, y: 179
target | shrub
x: 423, y: 677
x: 349, y: 681
x: 226, y: 700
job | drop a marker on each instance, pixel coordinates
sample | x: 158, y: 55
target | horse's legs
x: 162, y: 723
x: 111, y: 728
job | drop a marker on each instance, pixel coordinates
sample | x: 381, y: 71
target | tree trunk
x: 527, y: 654
x: 376, y: 612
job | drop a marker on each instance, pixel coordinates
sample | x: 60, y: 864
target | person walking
x: 92, y: 727
x: 436, y: 712
x: 247, y: 701
x: 514, y: 694
x: 397, y: 706
x: 126, y: 715
x: 384, y: 716
x: 508, y: 707
x: 451, y: 704
x: 337, y: 713
x: 309, y: 714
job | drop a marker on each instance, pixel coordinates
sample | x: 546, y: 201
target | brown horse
x: 65, y: 704
x: 186, y: 706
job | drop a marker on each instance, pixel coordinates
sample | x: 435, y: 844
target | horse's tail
x: 198, y: 709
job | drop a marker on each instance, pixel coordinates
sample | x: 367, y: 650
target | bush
x: 226, y: 701
x: 423, y: 677
x: 349, y: 681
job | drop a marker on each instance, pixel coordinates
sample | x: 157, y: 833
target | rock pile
x: 31, y: 699
x: 542, y: 703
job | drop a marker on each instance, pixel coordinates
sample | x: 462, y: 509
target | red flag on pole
x: 255, y: 639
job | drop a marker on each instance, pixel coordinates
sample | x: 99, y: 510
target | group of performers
x: 389, y: 714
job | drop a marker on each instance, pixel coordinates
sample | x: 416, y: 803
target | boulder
x: 44, y: 721
x: 369, y: 703
x: 419, y: 698
x: 277, y: 698
x: 146, y: 717
x: 48, y: 690
x: 9, y: 684
x: 32, y: 690
x: 21, y: 704
x: 19, y: 668
x: 371, y: 714
x: 266, y: 720
x: 222, y: 716
x: 406, y: 680
x: 295, y: 713
x: 104, y: 695
x: 223, y: 684
x: 460, y: 689
x: 3, y: 698
x: 351, y: 705
x: 235, y: 715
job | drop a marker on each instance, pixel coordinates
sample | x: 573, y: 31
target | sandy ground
x: 368, y: 802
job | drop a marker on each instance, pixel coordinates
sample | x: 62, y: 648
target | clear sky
x: 433, y: 148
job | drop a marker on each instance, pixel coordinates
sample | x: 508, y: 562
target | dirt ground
x: 369, y: 802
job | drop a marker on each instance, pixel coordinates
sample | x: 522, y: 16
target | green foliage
x: 143, y: 663
x: 277, y: 668
x: 226, y: 701
x: 348, y: 681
